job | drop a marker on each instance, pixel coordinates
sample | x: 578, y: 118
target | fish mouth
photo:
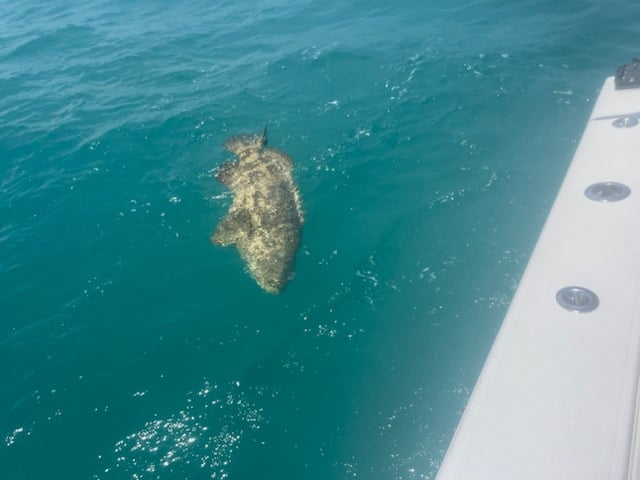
x: 273, y: 287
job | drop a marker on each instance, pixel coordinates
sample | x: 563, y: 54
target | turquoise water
x: 428, y: 140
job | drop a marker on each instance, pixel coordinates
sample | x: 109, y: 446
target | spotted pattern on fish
x: 265, y: 219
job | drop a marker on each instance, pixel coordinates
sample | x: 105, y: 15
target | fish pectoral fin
x: 233, y: 227
x: 227, y: 172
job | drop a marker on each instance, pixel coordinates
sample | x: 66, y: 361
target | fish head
x: 271, y: 276
x: 269, y: 259
x: 272, y: 286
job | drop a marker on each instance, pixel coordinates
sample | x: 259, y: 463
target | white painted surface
x: 557, y: 395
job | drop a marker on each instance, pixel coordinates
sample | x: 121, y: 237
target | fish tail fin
x: 240, y: 143
x: 264, y: 136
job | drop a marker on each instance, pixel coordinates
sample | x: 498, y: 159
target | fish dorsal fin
x: 232, y: 228
x: 228, y: 172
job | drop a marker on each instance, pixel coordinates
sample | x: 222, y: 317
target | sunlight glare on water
x: 428, y: 141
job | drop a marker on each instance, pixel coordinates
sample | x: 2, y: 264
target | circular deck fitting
x: 625, y: 122
x: 577, y: 299
x: 607, y: 192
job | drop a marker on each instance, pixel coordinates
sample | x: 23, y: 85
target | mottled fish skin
x: 265, y: 219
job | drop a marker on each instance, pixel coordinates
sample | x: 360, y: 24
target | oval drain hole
x: 607, y: 192
x: 577, y: 299
x: 625, y: 122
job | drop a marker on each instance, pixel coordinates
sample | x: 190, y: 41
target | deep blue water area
x: 428, y: 139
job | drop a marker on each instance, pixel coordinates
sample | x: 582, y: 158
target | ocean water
x: 428, y: 140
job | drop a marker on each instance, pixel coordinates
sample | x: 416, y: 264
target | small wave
x: 46, y: 44
x: 200, y: 439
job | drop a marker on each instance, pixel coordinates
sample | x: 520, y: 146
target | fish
x: 265, y: 219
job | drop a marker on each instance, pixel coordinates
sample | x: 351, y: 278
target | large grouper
x: 265, y: 219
